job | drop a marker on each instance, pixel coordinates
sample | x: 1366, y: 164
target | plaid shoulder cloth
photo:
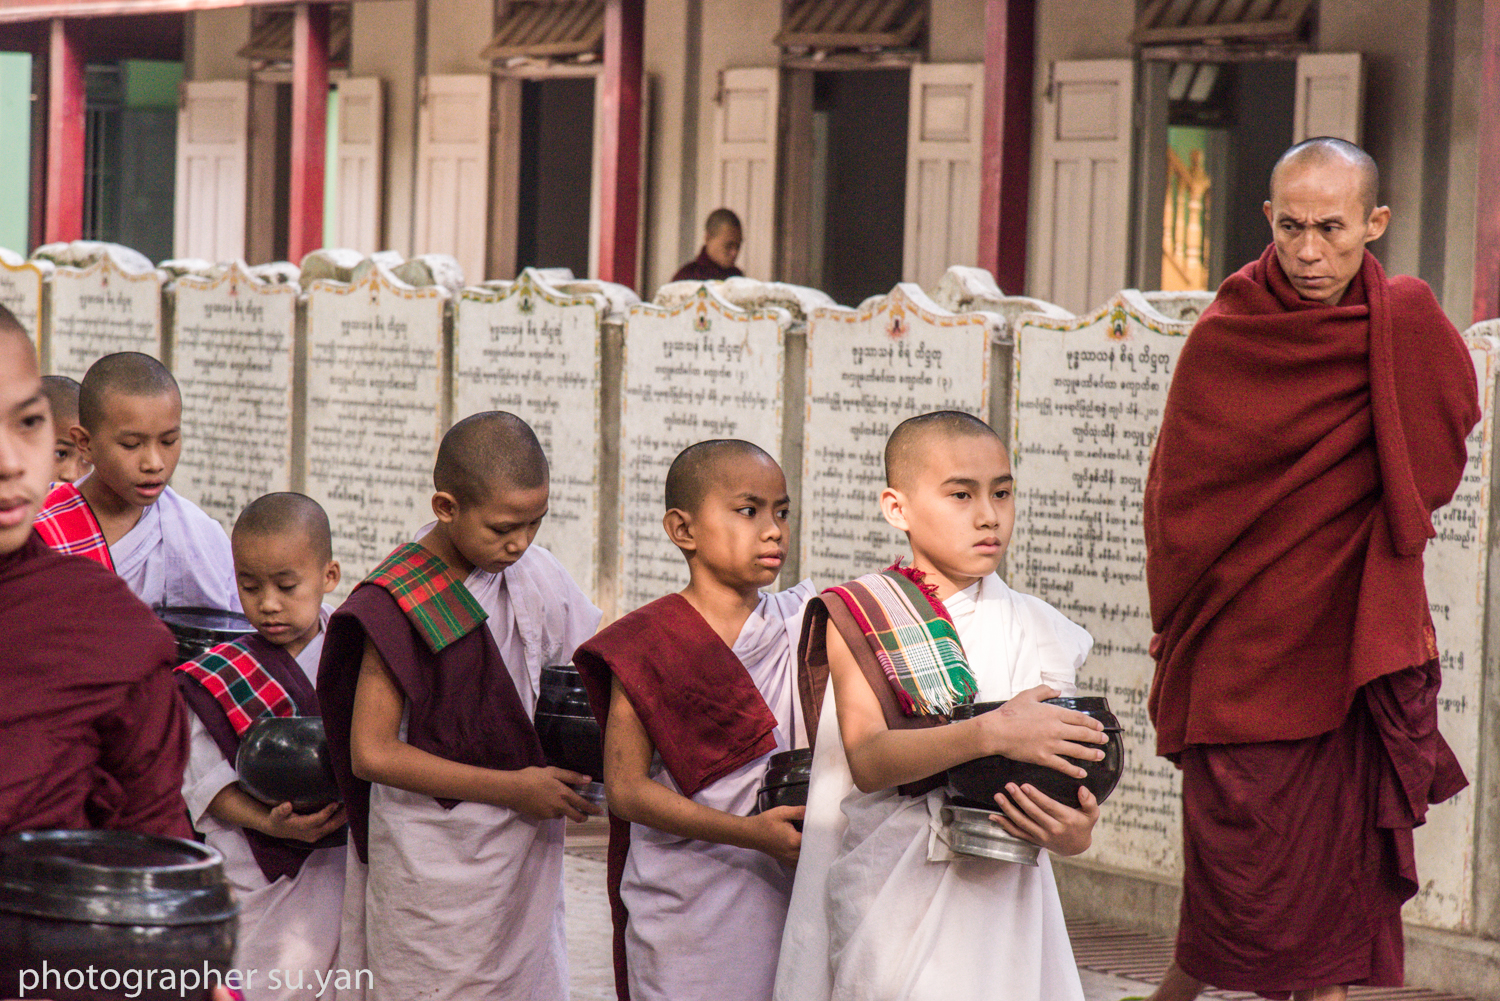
x: 913, y: 639
x: 231, y: 674
x: 67, y: 524
x: 436, y: 601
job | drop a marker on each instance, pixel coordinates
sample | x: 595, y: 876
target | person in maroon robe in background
x: 722, y: 236
x: 1316, y: 419
x: 92, y: 732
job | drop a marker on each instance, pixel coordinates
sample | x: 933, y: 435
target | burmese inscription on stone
x: 867, y: 371
x: 374, y: 412
x: 100, y: 310
x: 1457, y: 562
x: 534, y: 351
x: 21, y: 293
x: 1087, y: 406
x: 702, y: 369
x: 233, y: 346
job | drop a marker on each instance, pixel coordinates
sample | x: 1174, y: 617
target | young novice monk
x: 695, y: 691
x: 68, y: 465
x: 879, y: 911
x: 287, y: 869
x: 428, y: 685
x: 124, y: 514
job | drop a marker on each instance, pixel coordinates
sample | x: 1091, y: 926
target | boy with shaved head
x: 428, y: 686
x: 69, y: 465
x: 880, y: 910
x: 722, y: 236
x: 124, y: 514
x: 695, y: 692
x: 287, y: 869
x: 91, y: 731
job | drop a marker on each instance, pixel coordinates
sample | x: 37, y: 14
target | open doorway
x: 556, y: 175
x: 1227, y: 124
x: 857, y: 193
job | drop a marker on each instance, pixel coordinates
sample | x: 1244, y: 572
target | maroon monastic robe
x: 1302, y: 452
x: 92, y: 732
x: 705, y: 269
x: 703, y: 714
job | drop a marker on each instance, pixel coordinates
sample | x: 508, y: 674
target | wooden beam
x: 1487, y: 193
x: 620, y: 159
x: 309, y: 130
x: 66, y: 87
x: 1005, y: 163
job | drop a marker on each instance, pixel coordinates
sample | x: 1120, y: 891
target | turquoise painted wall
x: 331, y: 173
x: 15, y: 150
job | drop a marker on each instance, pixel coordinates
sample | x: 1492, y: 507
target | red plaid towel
x: 67, y: 524
x: 231, y: 674
x: 434, y: 600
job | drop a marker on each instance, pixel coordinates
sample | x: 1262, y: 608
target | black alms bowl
x: 119, y: 902
x: 976, y: 782
x: 786, y: 781
x: 285, y: 759
x: 199, y: 630
x: 569, y: 733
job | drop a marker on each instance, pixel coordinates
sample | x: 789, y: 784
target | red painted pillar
x: 309, y: 129
x: 1005, y: 163
x: 65, y: 134
x: 620, y: 159
x: 1487, y: 200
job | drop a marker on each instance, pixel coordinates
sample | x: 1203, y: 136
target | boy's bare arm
x: 636, y: 797
x: 378, y: 754
x: 238, y: 808
x: 1024, y: 730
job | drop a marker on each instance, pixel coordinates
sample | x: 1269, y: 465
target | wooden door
x: 945, y: 131
x: 1081, y: 229
x: 453, y: 171
x: 213, y: 122
x: 744, y: 161
x: 1330, y: 96
x: 361, y: 162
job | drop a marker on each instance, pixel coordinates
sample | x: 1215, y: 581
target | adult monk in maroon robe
x: 1317, y: 417
x: 722, y: 236
x: 92, y: 733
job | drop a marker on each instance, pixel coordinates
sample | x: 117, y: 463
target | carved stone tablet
x: 375, y: 413
x: 233, y: 344
x: 100, y: 310
x: 1088, y: 402
x: 21, y: 293
x: 702, y: 369
x: 531, y: 350
x: 868, y: 369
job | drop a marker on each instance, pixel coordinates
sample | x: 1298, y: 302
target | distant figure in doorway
x: 722, y: 236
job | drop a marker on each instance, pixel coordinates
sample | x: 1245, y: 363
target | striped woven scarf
x: 436, y: 601
x: 67, y: 524
x: 913, y: 639
x: 231, y: 674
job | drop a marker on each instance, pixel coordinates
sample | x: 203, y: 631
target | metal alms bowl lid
x: 113, y: 878
x: 213, y: 625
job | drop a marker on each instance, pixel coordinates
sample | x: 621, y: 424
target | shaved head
x: 719, y: 218
x: 62, y: 393
x: 693, y: 472
x: 488, y: 453
x: 907, y: 445
x: 287, y: 513
x: 1328, y: 151
x: 128, y: 373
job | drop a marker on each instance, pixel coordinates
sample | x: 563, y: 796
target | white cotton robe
x: 176, y: 555
x: 467, y: 904
x: 871, y: 918
x: 292, y: 925
x: 706, y: 919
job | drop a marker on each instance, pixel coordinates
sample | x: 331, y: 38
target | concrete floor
x: 592, y: 972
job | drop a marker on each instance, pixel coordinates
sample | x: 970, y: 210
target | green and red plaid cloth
x: 913, y: 639
x: 436, y: 601
x: 231, y: 674
x: 67, y: 524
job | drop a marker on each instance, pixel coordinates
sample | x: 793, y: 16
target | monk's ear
x: 445, y: 506
x: 679, y: 526
x: 80, y: 436
x: 1270, y: 214
x: 1380, y: 218
x: 893, y: 506
x: 332, y: 574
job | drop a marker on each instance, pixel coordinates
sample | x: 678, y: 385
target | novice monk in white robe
x: 429, y: 682
x: 290, y: 881
x: 701, y: 689
x: 882, y: 910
